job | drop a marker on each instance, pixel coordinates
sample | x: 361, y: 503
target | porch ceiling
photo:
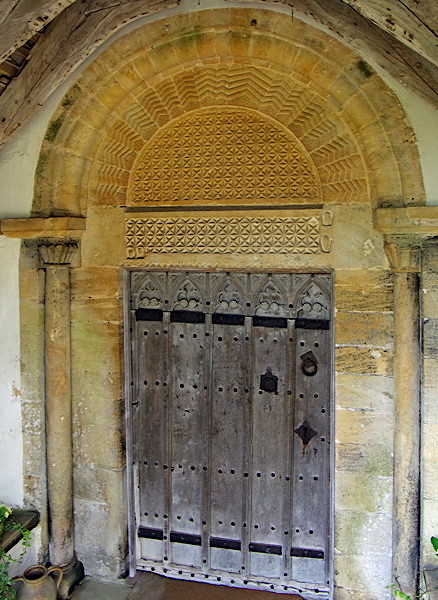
x: 396, y: 36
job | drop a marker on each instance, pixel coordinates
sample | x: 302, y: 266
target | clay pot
x: 37, y: 583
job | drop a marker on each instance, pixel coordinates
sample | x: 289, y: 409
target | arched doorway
x: 98, y: 162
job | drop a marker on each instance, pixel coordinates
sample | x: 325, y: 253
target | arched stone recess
x: 348, y: 122
x: 344, y: 138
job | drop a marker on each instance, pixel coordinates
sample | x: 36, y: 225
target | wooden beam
x: 27, y: 518
x: 6, y: 7
x: 21, y: 19
x: 402, y: 23
x: 370, y: 41
x: 84, y: 26
x: 66, y: 43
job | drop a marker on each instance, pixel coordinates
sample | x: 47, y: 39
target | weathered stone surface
x: 31, y: 284
x: 98, y: 435
x: 95, y: 282
x: 359, y: 247
x: 357, y: 530
x: 430, y: 338
x: 374, y: 460
x: 430, y: 295
x: 100, y: 528
x: 364, y: 573
x: 363, y: 361
x: 430, y: 366
x: 363, y: 298
x: 97, y: 310
x: 430, y: 447
x: 342, y: 593
x: 364, y: 328
x: 96, y: 346
x: 96, y: 483
x: 103, y: 242
x: 365, y: 392
x: 429, y: 526
x: 430, y: 405
x: 361, y: 427
x: 360, y: 491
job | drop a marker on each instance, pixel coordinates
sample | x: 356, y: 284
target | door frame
x: 128, y: 387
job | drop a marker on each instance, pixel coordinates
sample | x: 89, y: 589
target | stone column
x: 56, y: 256
x: 404, y: 257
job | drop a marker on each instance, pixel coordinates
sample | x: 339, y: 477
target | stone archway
x: 345, y: 117
x: 339, y: 119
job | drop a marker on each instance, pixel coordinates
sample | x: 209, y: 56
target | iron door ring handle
x: 309, y: 364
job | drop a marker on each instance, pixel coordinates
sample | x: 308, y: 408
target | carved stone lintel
x: 403, y: 254
x: 57, y: 252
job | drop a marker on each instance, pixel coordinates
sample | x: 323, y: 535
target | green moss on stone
x: 378, y: 461
x: 365, y: 68
x: 41, y: 164
x: 54, y: 127
x: 68, y: 102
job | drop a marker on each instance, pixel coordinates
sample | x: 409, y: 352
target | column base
x: 72, y: 574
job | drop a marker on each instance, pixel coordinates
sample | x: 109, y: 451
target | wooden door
x: 229, y: 416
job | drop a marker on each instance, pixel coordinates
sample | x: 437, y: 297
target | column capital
x: 403, y: 253
x: 56, y: 251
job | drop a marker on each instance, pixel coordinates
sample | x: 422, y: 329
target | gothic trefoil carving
x: 187, y: 297
x: 229, y: 299
x: 270, y: 301
x: 313, y: 303
x: 149, y: 296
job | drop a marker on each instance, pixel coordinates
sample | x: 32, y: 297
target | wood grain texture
x: 222, y: 457
x: 370, y: 41
x: 402, y: 22
x: 397, y: 36
x: 21, y: 19
x: 67, y: 42
x: 6, y: 7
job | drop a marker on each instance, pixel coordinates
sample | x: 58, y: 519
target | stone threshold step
x: 148, y: 586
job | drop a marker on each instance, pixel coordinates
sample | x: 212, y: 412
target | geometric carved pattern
x: 224, y: 156
x: 223, y: 235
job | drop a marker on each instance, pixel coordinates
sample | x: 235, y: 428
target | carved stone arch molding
x: 344, y: 118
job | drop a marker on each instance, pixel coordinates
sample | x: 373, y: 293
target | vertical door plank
x: 310, y: 440
x: 226, y: 467
x: 269, y: 450
x: 187, y: 397
x: 151, y: 443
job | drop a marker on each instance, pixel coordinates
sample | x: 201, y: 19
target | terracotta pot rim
x: 39, y: 570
